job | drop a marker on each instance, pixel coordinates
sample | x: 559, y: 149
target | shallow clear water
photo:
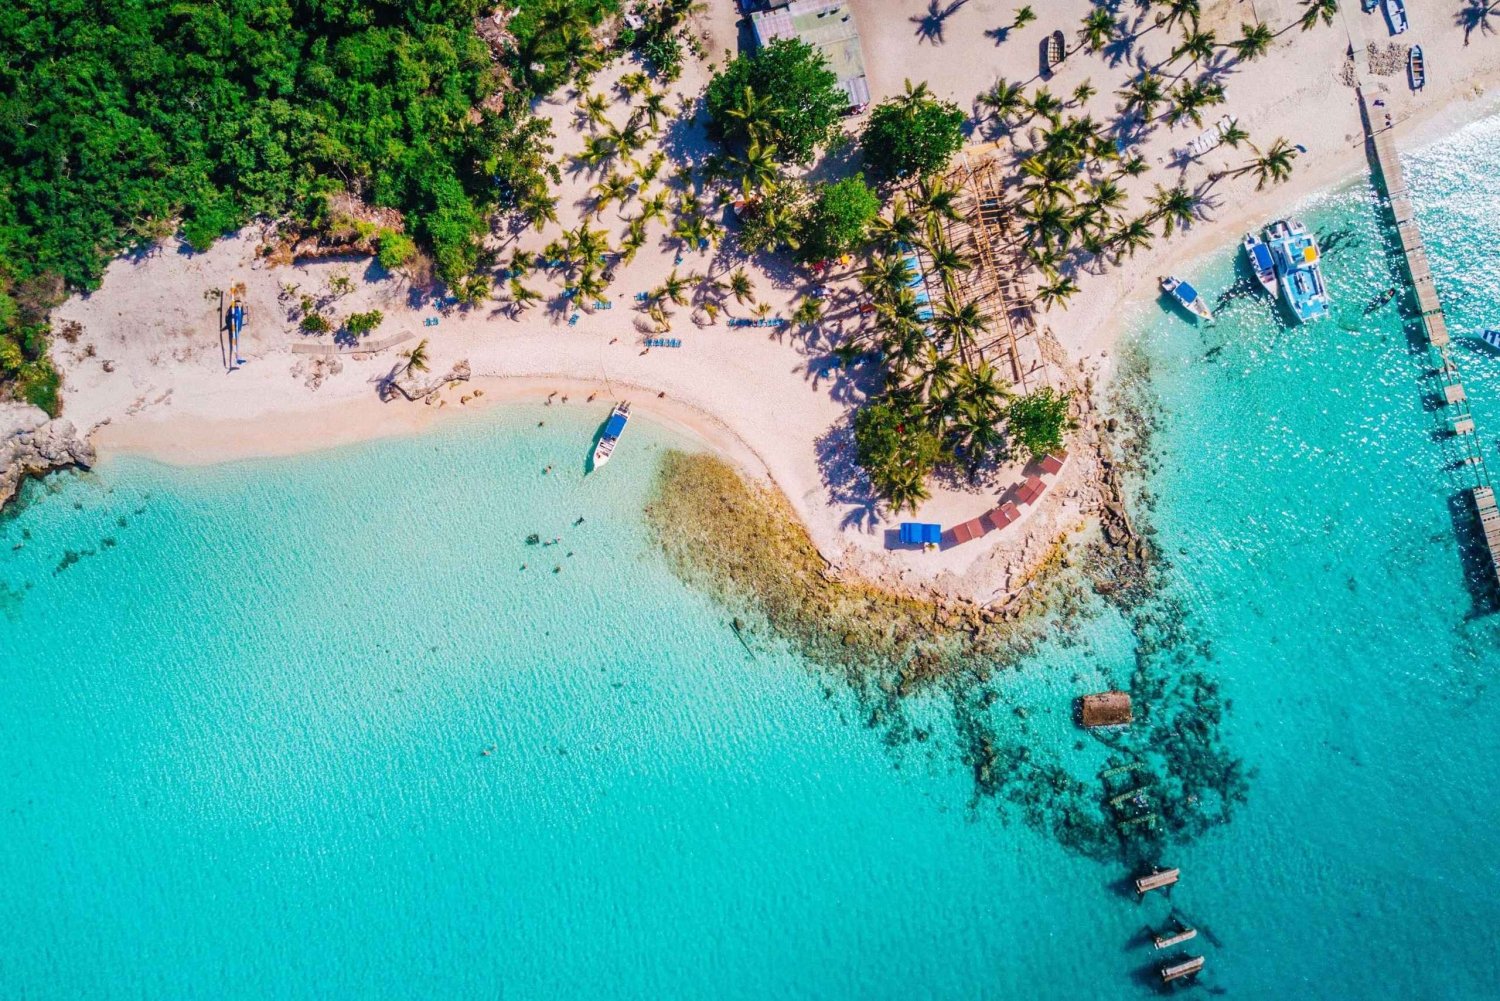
x: 245, y: 708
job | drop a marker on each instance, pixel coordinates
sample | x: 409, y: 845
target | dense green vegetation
x: 124, y: 119
x: 839, y: 219
x: 912, y: 134
x: 1039, y: 420
x: 783, y: 96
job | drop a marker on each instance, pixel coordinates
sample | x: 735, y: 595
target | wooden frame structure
x: 997, y: 281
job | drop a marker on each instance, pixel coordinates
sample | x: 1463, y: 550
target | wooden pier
x: 1187, y: 968
x: 1459, y: 421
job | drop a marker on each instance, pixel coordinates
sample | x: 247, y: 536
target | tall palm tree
x: 1144, y: 94
x: 1179, y: 12
x: 808, y: 312
x: 416, y: 358
x: 654, y: 207
x: 1132, y: 236
x: 978, y: 398
x: 1190, y: 100
x: 1313, y: 12
x: 1271, y: 166
x: 593, y: 107
x: 1083, y: 92
x: 674, y: 288
x: 1057, y: 292
x: 939, y: 200
x: 741, y: 286
x: 633, y: 83
x: 1004, y: 100
x: 757, y: 167
x: 1045, y: 104
x: 1098, y: 29
x: 521, y: 297
x: 1175, y: 206
x: 597, y: 151
x: 1254, y: 42
x: 1232, y: 136
x: 960, y: 324
x: 1024, y: 16
x: 754, y: 113
x: 1197, y: 44
x: 900, y: 227
x: 613, y: 188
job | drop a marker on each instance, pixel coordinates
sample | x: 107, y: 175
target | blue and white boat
x: 1395, y: 12
x: 613, y: 428
x: 1298, y: 271
x: 1259, y: 256
x: 1186, y: 296
x: 1491, y: 337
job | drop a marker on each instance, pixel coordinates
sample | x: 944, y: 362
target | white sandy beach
x: 149, y: 369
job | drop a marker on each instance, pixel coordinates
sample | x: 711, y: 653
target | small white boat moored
x: 1259, y: 256
x: 1186, y: 296
x: 613, y: 428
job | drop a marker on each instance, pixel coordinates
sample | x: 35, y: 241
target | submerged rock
x: 33, y: 444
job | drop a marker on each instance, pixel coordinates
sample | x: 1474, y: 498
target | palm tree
x: 753, y: 112
x: 1132, y: 236
x: 939, y: 200
x: 741, y: 286
x: 1233, y: 135
x: 1057, y: 293
x: 1192, y: 98
x: 1144, y: 94
x: 1098, y: 29
x: 1003, y: 100
x: 808, y: 312
x: 593, y: 108
x: 521, y: 296
x: 959, y: 324
x: 1179, y: 12
x: 647, y: 172
x: 1272, y: 166
x: 1314, y: 11
x: 1254, y: 42
x: 901, y: 227
x: 674, y: 288
x: 1024, y: 16
x: 1133, y: 166
x: 654, y: 106
x: 1198, y: 44
x: 590, y: 287
x: 614, y: 188
x: 416, y: 358
x: 886, y: 275
x: 633, y: 83
x: 1083, y: 92
x: 654, y: 207
x: 761, y: 310
x: 540, y: 207
x: 597, y: 151
x: 946, y: 261
x: 1045, y: 104
x: 1175, y: 206
x: 757, y: 167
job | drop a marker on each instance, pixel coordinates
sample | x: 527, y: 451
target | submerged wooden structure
x: 997, y: 281
x: 1185, y: 968
x: 1156, y: 880
x: 1177, y: 937
x: 1105, y: 709
x: 1459, y: 421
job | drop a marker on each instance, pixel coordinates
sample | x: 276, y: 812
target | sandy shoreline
x: 148, y: 371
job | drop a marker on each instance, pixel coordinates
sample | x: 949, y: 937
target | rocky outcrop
x: 32, y: 444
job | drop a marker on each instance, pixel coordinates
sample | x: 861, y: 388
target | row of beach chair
x: 772, y: 321
x: 663, y: 342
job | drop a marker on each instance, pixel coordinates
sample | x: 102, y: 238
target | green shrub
x: 839, y: 219
x: 395, y: 249
x: 1039, y: 420
x: 314, y: 323
x: 360, y: 324
x: 912, y: 134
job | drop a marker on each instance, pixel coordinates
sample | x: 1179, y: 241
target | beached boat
x: 1056, y: 50
x: 613, y: 428
x: 1395, y: 13
x: 1295, y: 254
x: 1368, y: 5
x: 1416, y: 67
x: 1259, y: 256
x: 1186, y: 296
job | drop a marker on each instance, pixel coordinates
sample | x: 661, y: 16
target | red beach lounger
x: 1053, y: 463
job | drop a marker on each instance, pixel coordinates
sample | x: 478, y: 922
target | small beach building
x: 828, y: 26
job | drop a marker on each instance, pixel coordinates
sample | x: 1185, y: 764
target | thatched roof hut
x: 1105, y: 709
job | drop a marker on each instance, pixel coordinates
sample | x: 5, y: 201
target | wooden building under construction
x: 996, y: 283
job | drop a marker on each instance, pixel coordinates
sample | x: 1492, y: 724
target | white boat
x: 1491, y: 337
x: 1186, y: 296
x: 1259, y: 256
x: 613, y: 428
x: 1295, y: 251
x: 1395, y: 12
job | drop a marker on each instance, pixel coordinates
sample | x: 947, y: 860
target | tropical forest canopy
x: 121, y: 120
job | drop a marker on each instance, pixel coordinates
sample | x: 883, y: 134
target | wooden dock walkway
x: 1455, y: 400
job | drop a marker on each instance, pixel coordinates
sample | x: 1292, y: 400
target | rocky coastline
x: 32, y: 443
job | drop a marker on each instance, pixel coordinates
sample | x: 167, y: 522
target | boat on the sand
x: 1395, y: 12
x: 1416, y: 67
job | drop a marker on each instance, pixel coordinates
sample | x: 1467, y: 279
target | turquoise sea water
x: 244, y: 711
